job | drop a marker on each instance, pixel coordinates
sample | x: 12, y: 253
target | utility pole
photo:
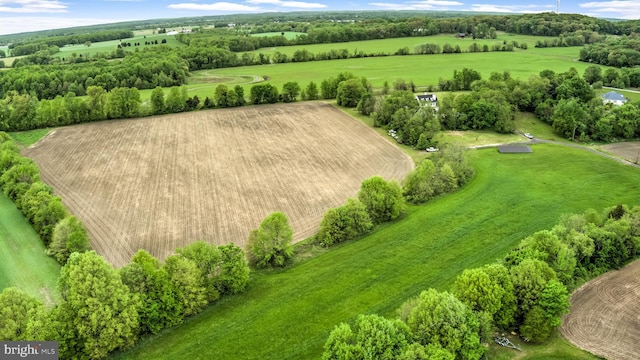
x: 557, y: 6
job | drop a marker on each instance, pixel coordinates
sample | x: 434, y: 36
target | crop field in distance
x: 159, y: 183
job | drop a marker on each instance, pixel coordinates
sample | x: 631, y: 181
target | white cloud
x: 219, y: 6
x: 32, y: 6
x: 19, y: 24
x: 418, y: 5
x: 620, y: 9
x: 293, y: 4
x: 511, y: 8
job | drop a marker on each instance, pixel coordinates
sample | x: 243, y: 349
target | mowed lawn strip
x: 289, y: 314
x: 23, y: 262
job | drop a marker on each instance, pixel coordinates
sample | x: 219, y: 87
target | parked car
x: 431, y: 149
x: 528, y: 136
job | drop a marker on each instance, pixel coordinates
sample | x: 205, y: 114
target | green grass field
x: 28, y: 138
x: 423, y: 70
x: 108, y: 46
x: 288, y: 314
x: 23, y: 262
x: 287, y: 34
x: 392, y: 45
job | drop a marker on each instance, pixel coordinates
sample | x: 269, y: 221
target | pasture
x: 109, y: 46
x: 288, y: 314
x: 604, y: 315
x: 23, y: 261
x: 423, y: 70
x: 159, y: 183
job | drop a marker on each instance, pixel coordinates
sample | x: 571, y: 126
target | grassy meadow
x: 23, y: 262
x: 108, y: 46
x: 288, y: 314
x: 423, y: 70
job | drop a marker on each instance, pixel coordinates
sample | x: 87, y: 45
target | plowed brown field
x: 161, y: 182
x: 629, y: 150
x: 605, y: 315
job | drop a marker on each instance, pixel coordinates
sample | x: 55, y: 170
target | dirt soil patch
x: 626, y: 150
x: 161, y: 182
x: 605, y: 315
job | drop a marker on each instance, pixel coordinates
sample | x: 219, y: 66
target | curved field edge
x: 23, y: 261
x: 604, y: 314
x: 289, y: 314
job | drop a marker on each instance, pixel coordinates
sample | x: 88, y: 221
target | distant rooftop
x: 614, y: 96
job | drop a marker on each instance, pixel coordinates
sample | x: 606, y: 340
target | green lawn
x: 556, y: 348
x: 28, y: 138
x: 23, y: 262
x: 288, y: 314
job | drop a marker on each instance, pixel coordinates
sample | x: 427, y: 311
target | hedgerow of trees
x: 527, y: 292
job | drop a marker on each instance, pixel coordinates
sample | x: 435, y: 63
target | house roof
x: 426, y: 97
x: 614, y: 96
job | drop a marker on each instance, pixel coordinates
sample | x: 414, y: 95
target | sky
x: 31, y: 15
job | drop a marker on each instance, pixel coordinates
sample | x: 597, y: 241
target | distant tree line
x: 528, y: 291
x: 60, y: 232
x: 27, y: 47
x: 619, y: 52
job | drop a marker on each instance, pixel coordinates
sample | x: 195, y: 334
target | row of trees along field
x: 484, y: 26
x: 528, y: 292
x: 60, y: 232
x: 141, y: 298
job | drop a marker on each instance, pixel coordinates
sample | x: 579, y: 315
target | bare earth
x: 159, y: 183
x: 605, y: 315
x: 628, y: 150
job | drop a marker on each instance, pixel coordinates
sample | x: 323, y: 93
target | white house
x: 614, y: 98
x: 427, y: 99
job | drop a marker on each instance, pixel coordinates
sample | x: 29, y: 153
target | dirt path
x: 605, y: 315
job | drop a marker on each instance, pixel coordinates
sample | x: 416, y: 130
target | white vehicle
x: 528, y: 136
x: 431, y: 149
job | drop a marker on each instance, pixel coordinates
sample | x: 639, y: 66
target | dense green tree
x: 312, y: 91
x: 530, y: 278
x: 416, y: 351
x: 157, y: 101
x: 191, y: 292
x: 47, y: 217
x: 270, y: 244
x: 17, y: 310
x: 176, y: 100
x: 441, y: 319
x: 290, y: 91
x: 207, y: 259
x: 241, y: 101
x: 478, y: 291
x: 417, y: 187
x: 350, y: 92
x: 568, y: 118
x: 382, y: 199
x: 17, y: 180
x: 392, y: 103
x: 233, y: 272
x: 97, y: 314
x: 69, y: 236
x: 96, y: 102
x: 149, y: 281
x: 505, y: 317
x: 372, y: 338
x: 220, y: 96
x: 367, y: 104
x: 592, y: 74
x: 344, y: 223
